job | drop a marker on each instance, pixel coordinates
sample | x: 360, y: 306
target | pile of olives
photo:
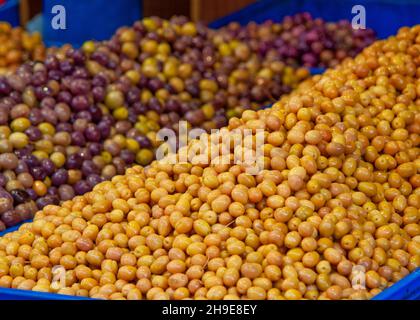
x: 184, y: 73
x: 339, y: 189
x: 301, y: 40
x: 18, y: 46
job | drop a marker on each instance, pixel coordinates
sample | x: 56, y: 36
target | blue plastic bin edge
x: 14, y: 228
x: 9, y: 4
x: 16, y: 294
x: 407, y: 288
x: 315, y: 71
x: 10, y: 12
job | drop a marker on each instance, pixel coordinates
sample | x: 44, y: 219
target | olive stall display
x: 301, y: 40
x: 82, y: 116
x: 339, y: 188
x: 18, y: 46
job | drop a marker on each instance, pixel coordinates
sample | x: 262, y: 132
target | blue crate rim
x: 14, y: 228
x: 9, y: 4
x: 9, y: 12
x: 35, y: 295
x: 407, y: 285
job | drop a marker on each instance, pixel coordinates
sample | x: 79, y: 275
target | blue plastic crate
x: 10, y: 12
x: 86, y: 20
x: 406, y: 289
x: 15, y: 294
x: 318, y: 70
x: 383, y: 16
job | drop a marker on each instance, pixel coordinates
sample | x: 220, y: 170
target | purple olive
x: 128, y: 156
x: 35, y: 116
x: 51, y: 62
x: 4, y: 86
x: 33, y: 133
x: 64, y: 96
x: 19, y: 196
x: 104, y: 128
x: 80, y: 86
x: 32, y: 194
x: 80, y: 103
x: 93, y: 180
x: 92, y: 133
x: 48, y: 166
x: 6, y: 200
x: 53, y: 190
x: 31, y: 161
x: 47, y: 200
x: 98, y: 93
x: 10, y: 218
x: 66, y: 66
x: 3, y: 180
x: 94, y: 148
x: 81, y: 187
x: 66, y: 127
x: 88, y: 168
x: 38, y: 173
x: 59, y: 177
x: 66, y: 192
x: 74, y: 161
x: 78, y: 139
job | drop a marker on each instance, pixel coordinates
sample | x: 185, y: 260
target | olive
x: 19, y: 196
x: 6, y: 201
